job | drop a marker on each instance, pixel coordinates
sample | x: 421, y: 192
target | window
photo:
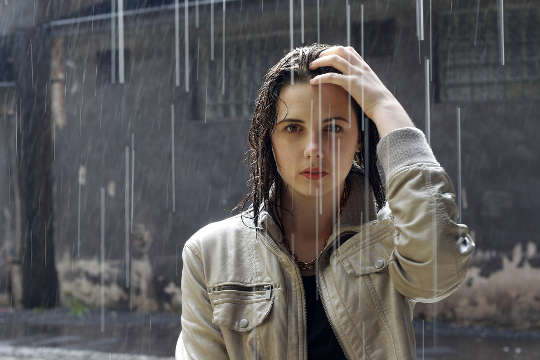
x: 467, y: 61
x: 246, y: 62
x: 105, y: 67
x: 7, y: 74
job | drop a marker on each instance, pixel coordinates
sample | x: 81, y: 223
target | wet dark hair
x: 260, y: 159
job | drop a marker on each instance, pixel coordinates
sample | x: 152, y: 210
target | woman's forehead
x: 302, y: 98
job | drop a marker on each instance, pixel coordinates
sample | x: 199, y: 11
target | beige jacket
x: 242, y: 293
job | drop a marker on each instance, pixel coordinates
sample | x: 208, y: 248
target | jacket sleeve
x: 199, y: 337
x: 431, y: 250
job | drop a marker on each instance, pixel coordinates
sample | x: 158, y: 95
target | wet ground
x: 58, y: 334
x: 120, y: 332
x: 437, y: 340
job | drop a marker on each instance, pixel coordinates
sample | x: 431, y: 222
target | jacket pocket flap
x: 241, y: 307
x: 240, y: 315
x: 370, y: 259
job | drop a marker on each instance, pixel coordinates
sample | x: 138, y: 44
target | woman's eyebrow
x: 325, y: 120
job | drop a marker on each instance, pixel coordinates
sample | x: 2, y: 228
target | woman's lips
x: 314, y: 175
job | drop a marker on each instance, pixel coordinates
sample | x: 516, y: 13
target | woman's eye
x: 335, y: 128
x: 291, y: 128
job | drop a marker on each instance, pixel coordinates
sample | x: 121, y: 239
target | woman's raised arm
x: 432, y: 250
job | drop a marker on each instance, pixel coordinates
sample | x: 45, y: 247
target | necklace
x: 307, y: 266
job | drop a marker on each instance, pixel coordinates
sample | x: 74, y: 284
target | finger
x: 334, y: 61
x: 345, y: 52
x: 363, y: 63
x: 333, y: 78
x: 356, y: 54
x: 345, y: 81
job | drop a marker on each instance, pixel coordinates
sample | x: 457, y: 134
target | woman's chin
x: 316, y: 189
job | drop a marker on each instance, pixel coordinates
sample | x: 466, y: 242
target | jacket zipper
x: 266, y: 287
x: 303, y: 296
x: 340, y: 341
x: 277, y: 247
x: 332, y: 324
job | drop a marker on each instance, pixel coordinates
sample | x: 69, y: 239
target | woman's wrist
x: 390, y: 115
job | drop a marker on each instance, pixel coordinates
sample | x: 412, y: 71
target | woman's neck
x: 303, y: 219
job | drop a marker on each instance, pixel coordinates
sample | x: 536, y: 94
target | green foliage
x: 76, y: 307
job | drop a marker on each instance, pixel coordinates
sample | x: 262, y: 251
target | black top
x: 321, y: 340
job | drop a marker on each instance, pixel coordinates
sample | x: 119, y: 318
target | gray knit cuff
x: 401, y: 147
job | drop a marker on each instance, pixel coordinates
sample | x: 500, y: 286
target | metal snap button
x: 379, y: 263
x: 243, y: 323
x: 464, y: 245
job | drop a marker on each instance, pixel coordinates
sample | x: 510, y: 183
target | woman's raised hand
x: 377, y: 102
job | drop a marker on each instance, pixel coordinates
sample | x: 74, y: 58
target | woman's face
x: 317, y: 131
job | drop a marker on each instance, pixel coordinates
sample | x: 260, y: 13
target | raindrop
x: 458, y: 120
x: 172, y: 161
x: 126, y: 219
x: 121, y: 41
x: 176, y: 43
x: 186, y: 41
x: 500, y: 12
x: 102, y: 260
x: 427, y: 100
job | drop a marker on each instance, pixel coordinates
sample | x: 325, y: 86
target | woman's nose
x: 313, y: 146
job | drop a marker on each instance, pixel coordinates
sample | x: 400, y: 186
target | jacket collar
x: 351, y: 217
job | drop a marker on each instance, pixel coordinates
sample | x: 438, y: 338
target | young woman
x: 331, y: 261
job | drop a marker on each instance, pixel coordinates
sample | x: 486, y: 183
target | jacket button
x: 464, y: 245
x: 243, y: 323
x: 379, y: 263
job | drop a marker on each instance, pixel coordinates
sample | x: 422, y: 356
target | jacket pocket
x: 241, y: 307
x: 370, y: 259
